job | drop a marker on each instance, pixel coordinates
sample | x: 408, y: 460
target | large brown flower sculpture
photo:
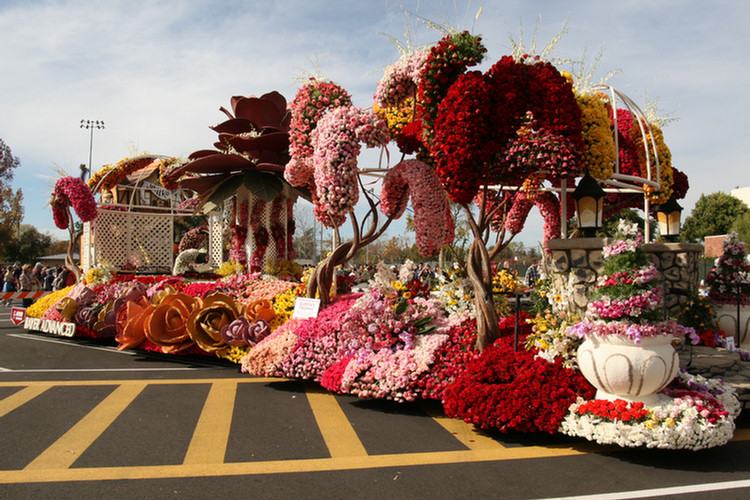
x: 253, y: 149
x: 208, y: 318
x: 165, y: 323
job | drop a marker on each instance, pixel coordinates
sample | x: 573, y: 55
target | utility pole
x: 90, y: 125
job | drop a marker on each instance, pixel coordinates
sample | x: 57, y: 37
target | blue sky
x: 157, y: 71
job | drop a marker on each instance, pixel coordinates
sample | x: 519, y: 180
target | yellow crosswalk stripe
x: 63, y: 452
x: 337, y: 431
x: 211, y: 435
x: 21, y: 397
x: 467, y: 434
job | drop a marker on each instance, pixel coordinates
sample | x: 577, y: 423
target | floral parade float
x: 728, y: 285
x: 496, y: 143
x: 628, y: 356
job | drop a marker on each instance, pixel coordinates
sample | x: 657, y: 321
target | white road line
x: 659, y: 492
x: 68, y: 343
x: 177, y: 359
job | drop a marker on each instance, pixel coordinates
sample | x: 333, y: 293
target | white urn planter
x: 726, y: 318
x: 622, y: 369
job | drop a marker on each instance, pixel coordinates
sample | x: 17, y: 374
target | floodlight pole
x: 90, y: 125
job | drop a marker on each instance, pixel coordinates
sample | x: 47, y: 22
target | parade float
x: 520, y: 135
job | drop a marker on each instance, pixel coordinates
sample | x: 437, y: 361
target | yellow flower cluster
x: 396, y: 117
x: 36, y: 310
x: 504, y: 281
x: 665, y: 162
x: 99, y: 175
x: 549, y: 333
x: 100, y: 273
x: 283, y: 305
x: 230, y: 267
x: 233, y: 353
x: 283, y: 267
x: 599, y: 145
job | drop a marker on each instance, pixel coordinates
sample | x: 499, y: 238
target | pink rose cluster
x: 313, y: 100
x: 549, y: 208
x: 336, y: 144
x: 632, y: 306
x: 431, y: 208
x: 400, y: 80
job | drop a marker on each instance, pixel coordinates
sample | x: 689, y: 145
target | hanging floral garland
x: 549, y: 208
x: 260, y: 235
x: 665, y: 162
x: 599, y: 146
x: 336, y: 143
x: 72, y: 191
x: 543, y: 154
x: 165, y: 167
x: 447, y: 60
x: 312, y: 101
x: 109, y: 176
x: 680, y: 184
x: 416, y: 178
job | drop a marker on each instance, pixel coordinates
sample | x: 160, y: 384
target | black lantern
x: 668, y: 217
x: 589, y: 200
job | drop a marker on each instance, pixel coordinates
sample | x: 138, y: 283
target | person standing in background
x: 28, y: 283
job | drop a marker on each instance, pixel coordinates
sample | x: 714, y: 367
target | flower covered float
x: 627, y: 354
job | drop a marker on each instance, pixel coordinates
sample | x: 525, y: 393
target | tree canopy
x: 11, y: 207
x: 713, y: 214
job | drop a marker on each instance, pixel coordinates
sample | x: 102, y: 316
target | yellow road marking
x: 63, y: 452
x: 211, y: 435
x: 337, y: 431
x: 467, y: 434
x: 21, y: 397
x: 277, y: 466
x: 177, y: 381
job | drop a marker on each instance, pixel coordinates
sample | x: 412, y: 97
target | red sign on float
x: 17, y: 315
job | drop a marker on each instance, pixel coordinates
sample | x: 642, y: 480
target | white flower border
x: 691, y: 431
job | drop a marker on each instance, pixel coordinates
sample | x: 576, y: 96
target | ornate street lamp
x: 90, y: 125
x: 589, y: 202
x: 668, y: 217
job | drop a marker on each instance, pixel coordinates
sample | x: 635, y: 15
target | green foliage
x: 713, y: 214
x: 29, y: 246
x: 741, y: 226
x: 11, y: 202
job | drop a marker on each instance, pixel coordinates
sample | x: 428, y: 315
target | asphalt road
x: 81, y: 420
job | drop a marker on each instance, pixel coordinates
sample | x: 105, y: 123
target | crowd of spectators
x: 32, y: 278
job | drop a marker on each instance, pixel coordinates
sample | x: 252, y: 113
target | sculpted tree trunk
x: 322, y: 277
x: 69, y: 261
x: 479, y: 269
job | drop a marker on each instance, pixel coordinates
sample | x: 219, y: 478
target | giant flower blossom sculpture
x: 252, y: 149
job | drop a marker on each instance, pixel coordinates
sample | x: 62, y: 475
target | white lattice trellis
x: 143, y: 239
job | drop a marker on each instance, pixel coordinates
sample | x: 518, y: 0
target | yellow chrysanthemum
x: 36, y: 310
x: 230, y: 267
x: 233, y: 353
x: 599, y: 146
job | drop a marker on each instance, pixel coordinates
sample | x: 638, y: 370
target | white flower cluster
x: 674, y: 424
